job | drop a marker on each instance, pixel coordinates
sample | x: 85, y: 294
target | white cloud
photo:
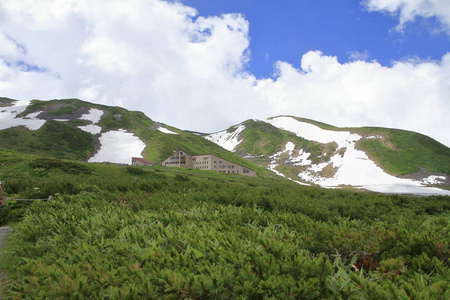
x: 408, y: 10
x: 408, y: 95
x: 190, y: 72
x: 356, y: 55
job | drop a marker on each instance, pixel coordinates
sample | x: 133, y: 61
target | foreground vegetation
x: 132, y: 233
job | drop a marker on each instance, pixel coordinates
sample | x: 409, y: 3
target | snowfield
x: 225, y: 139
x: 118, y: 147
x: 8, y: 117
x: 354, y: 167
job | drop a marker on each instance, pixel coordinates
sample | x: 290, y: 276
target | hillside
x: 151, y: 232
x: 306, y: 151
x: 310, y: 152
x: 83, y: 131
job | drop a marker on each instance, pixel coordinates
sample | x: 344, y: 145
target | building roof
x: 143, y: 160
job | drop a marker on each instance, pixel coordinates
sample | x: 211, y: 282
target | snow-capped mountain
x: 308, y: 152
x: 314, y: 153
x: 79, y: 130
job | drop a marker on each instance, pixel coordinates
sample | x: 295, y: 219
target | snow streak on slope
x: 94, y: 116
x: 354, y: 167
x: 165, y: 130
x: 225, y: 139
x: 314, y: 133
x: 118, y: 147
x: 8, y: 117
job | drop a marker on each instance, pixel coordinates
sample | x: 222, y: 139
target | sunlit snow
x: 94, y: 115
x: 165, y: 130
x: 118, y: 147
x: 354, y: 167
x: 433, y: 179
x: 225, y: 139
x: 312, y: 132
x: 8, y: 117
x: 301, y: 159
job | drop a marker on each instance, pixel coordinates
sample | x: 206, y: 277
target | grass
x: 152, y: 232
x: 53, y: 139
x: 409, y: 153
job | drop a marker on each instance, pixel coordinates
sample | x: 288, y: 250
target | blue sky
x: 207, y: 65
x: 284, y: 30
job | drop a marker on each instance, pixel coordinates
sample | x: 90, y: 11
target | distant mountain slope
x: 79, y: 130
x: 306, y: 151
x: 310, y: 152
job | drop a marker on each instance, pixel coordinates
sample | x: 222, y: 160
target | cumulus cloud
x: 409, y: 95
x: 408, y: 10
x: 161, y: 58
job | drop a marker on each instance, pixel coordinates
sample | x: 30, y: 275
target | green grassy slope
x: 53, y: 139
x: 132, y: 233
x: 261, y: 138
x: 402, y: 152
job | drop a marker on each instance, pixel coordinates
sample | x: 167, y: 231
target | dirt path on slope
x: 3, y: 233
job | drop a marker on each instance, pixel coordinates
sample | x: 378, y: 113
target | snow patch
x: 118, y: 147
x: 301, y: 159
x: 227, y: 140
x: 94, y: 115
x: 8, y: 117
x: 165, y: 130
x: 314, y: 133
x: 433, y: 179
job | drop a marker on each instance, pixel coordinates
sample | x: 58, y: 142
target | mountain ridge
x: 321, y: 148
x: 303, y: 150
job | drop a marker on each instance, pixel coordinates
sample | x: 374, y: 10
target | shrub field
x: 157, y: 233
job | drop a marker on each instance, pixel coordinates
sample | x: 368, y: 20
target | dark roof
x: 143, y: 160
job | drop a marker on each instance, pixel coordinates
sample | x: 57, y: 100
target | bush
x: 65, y: 166
x: 136, y: 170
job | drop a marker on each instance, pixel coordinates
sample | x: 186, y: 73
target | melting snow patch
x: 227, y: 140
x: 433, y: 179
x: 301, y: 159
x: 94, y: 116
x: 118, y: 147
x: 8, y: 117
x: 165, y: 130
x: 314, y: 133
